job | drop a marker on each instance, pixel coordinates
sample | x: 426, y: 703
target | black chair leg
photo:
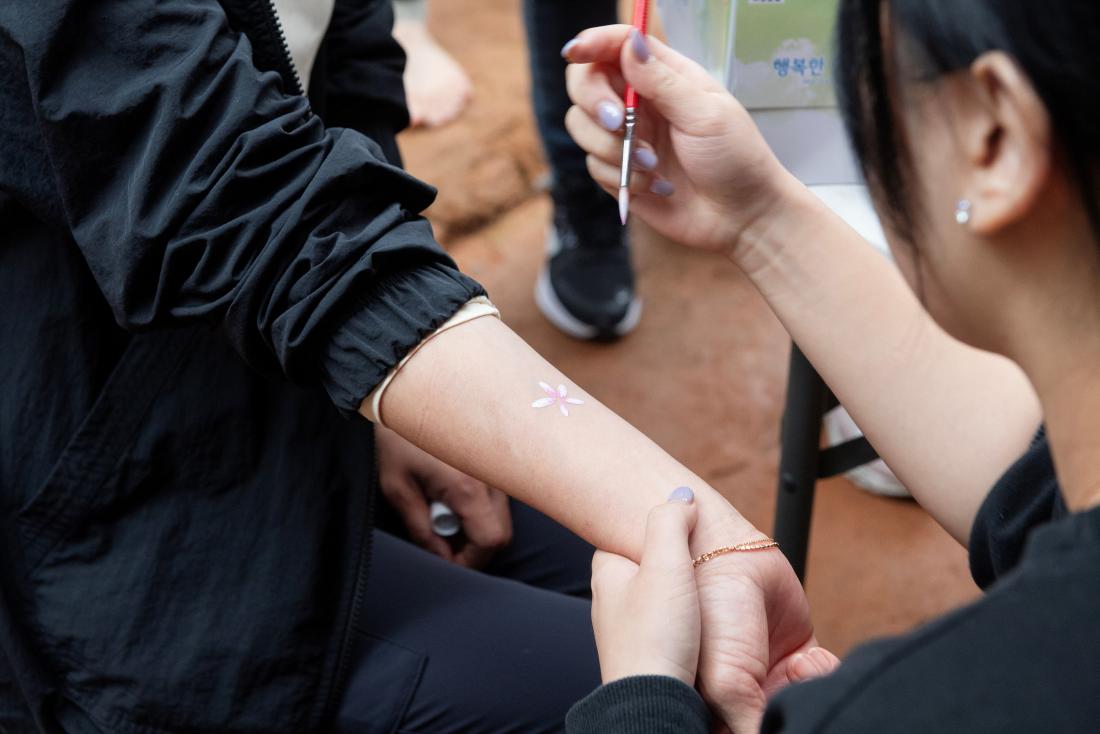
x: 800, y: 445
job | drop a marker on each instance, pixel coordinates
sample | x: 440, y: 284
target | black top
x: 1023, y: 659
x: 196, y: 275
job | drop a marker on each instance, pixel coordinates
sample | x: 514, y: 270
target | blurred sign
x: 702, y: 31
x: 773, y: 54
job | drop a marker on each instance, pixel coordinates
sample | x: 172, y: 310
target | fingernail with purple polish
x: 645, y: 158
x: 639, y: 45
x: 662, y: 188
x: 569, y: 47
x: 682, y: 494
x: 610, y: 115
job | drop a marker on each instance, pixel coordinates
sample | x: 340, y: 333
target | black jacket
x: 193, y: 270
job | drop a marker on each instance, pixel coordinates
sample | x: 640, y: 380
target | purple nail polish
x: 682, y: 494
x: 610, y: 115
x: 639, y: 45
x: 662, y: 188
x: 645, y: 158
x: 569, y: 47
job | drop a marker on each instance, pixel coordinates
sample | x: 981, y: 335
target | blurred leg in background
x: 436, y: 86
x: 586, y: 288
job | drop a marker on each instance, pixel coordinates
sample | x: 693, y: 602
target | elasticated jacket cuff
x: 386, y: 321
x: 640, y: 705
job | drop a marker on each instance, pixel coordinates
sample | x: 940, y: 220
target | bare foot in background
x: 436, y: 86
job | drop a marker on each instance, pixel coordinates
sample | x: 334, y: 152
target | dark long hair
x: 1055, y: 42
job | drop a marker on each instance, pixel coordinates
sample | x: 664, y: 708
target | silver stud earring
x: 962, y: 212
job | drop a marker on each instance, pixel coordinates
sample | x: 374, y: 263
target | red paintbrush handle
x: 641, y: 22
x: 631, y: 97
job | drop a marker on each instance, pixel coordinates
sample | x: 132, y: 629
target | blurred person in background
x: 586, y: 287
x: 436, y: 85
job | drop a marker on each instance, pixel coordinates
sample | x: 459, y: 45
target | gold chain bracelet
x: 753, y: 545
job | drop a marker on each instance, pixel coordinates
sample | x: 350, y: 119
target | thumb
x: 668, y: 529
x: 671, y: 83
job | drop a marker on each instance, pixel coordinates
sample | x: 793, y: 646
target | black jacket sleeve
x: 198, y: 190
x: 641, y: 705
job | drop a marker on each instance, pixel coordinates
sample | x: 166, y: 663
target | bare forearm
x: 466, y: 397
x: 947, y: 418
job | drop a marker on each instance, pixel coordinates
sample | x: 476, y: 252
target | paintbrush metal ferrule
x: 624, y: 169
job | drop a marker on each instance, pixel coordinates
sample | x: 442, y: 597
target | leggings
x: 446, y: 650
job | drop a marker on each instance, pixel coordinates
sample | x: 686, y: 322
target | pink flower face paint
x: 559, y: 397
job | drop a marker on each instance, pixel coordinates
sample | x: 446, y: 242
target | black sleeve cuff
x: 386, y: 321
x: 648, y: 704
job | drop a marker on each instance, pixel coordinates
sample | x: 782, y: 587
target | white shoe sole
x: 553, y: 309
x: 875, y: 477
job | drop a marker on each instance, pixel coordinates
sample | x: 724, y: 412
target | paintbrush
x: 640, y: 22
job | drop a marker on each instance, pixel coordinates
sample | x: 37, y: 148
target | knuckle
x: 496, y: 538
x: 577, y: 81
x: 714, y: 116
x: 596, y: 168
x: 421, y: 536
x: 572, y: 78
x: 397, y: 494
x: 666, y: 81
x: 730, y: 691
x: 709, y: 125
x: 611, y: 147
x: 607, y: 570
x: 458, y: 497
x: 387, y: 488
x: 467, y: 487
x: 573, y: 117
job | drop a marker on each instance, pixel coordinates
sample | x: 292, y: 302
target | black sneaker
x: 586, y: 288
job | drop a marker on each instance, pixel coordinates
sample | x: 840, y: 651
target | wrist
x: 776, y: 227
x: 719, y: 524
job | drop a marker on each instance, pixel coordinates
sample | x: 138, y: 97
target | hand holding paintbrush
x: 700, y: 172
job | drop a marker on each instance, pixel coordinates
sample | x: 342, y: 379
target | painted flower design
x: 559, y: 397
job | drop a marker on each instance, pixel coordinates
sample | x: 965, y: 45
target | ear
x: 1007, y: 144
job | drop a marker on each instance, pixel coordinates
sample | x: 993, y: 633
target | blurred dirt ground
x: 704, y: 373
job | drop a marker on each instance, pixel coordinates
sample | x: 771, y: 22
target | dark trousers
x: 550, y: 24
x: 447, y: 650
